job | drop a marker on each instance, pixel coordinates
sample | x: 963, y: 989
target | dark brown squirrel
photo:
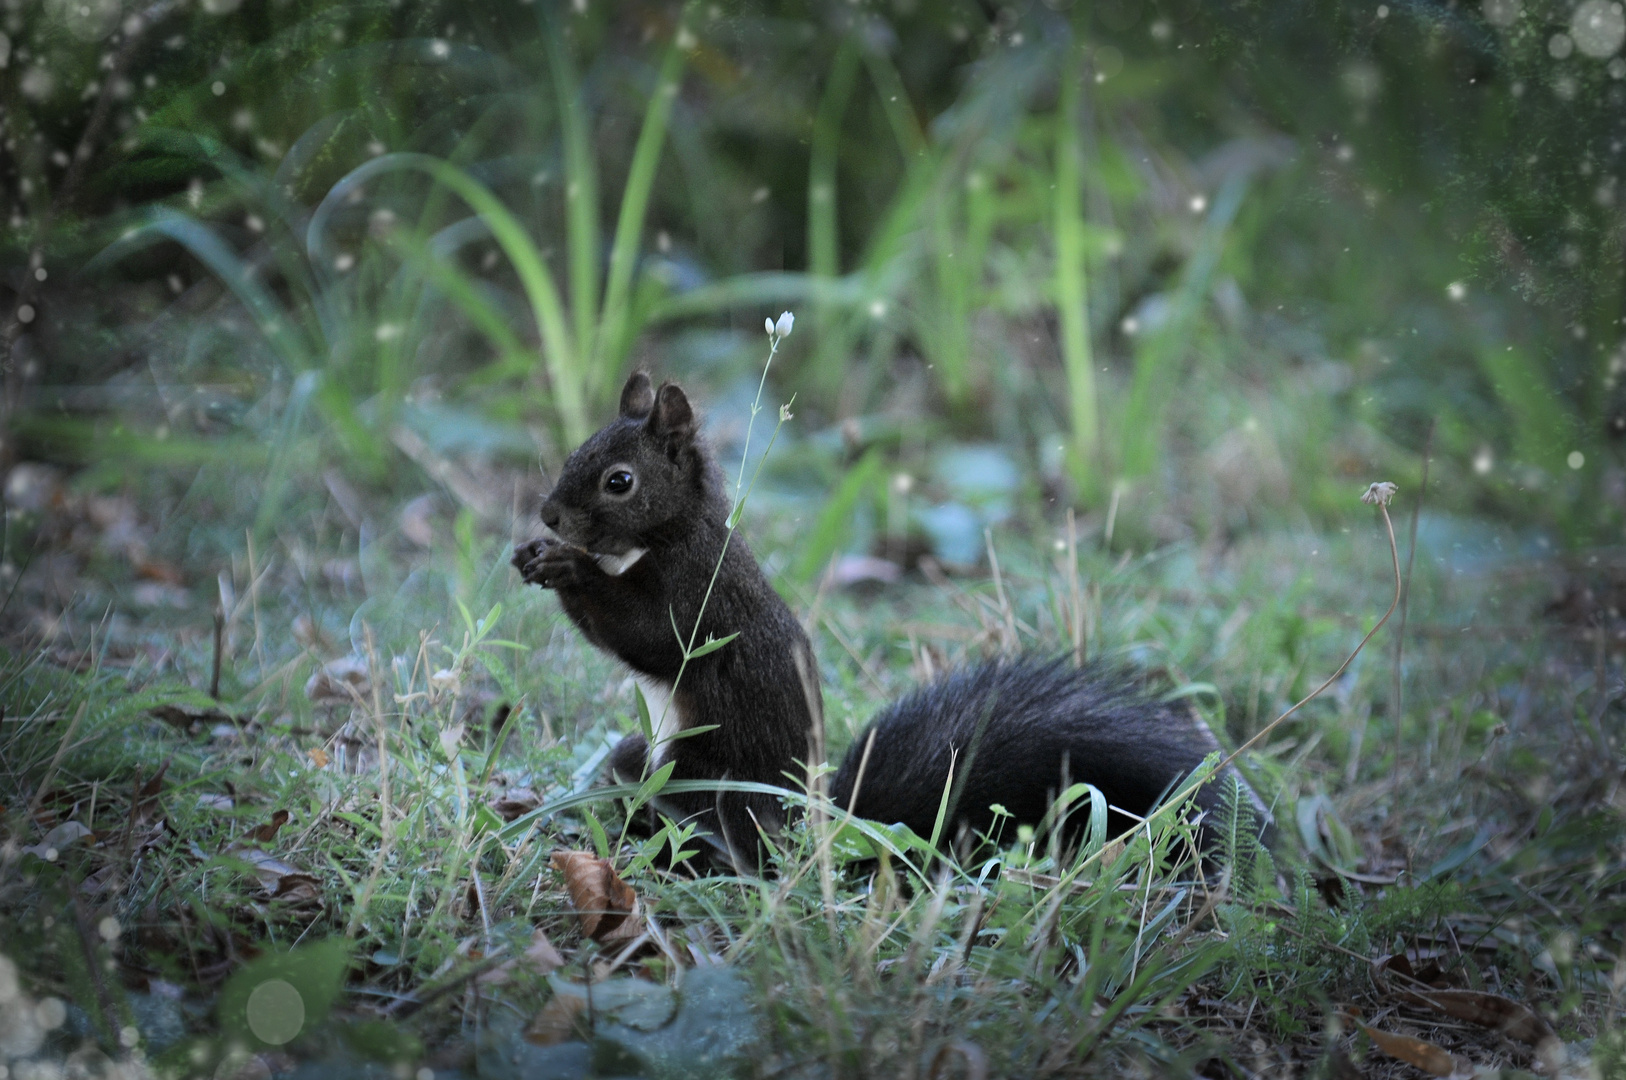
x: 639, y: 518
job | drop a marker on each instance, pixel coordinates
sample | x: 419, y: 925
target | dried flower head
x: 1379, y: 493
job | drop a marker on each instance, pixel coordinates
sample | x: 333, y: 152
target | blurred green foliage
x: 1210, y: 262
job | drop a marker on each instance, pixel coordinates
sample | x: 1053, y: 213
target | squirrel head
x: 644, y: 475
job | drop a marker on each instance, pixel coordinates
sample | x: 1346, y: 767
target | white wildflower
x: 1380, y: 493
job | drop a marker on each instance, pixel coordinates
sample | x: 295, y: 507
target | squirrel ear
x: 637, y: 397
x: 672, y: 417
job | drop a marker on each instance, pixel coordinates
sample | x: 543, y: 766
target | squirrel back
x: 640, y: 551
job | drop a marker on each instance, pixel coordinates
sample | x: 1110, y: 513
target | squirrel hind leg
x: 629, y: 760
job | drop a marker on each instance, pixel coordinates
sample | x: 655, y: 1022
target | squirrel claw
x: 545, y: 563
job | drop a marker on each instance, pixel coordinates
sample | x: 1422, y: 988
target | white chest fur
x: 663, y: 714
x: 616, y: 565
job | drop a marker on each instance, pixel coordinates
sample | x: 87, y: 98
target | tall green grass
x: 1072, y: 294
x: 954, y: 220
x: 345, y: 327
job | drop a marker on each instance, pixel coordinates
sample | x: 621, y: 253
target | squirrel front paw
x: 548, y: 563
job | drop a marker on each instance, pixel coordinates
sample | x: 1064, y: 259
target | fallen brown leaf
x: 100, y: 881
x: 151, y: 835
x: 146, y: 800
x: 540, y: 956
x: 281, y: 880
x: 298, y: 889
x: 515, y: 802
x: 267, y: 867
x: 1425, y: 1055
x: 264, y: 834
x: 1489, y: 1010
x: 1421, y: 982
x: 607, y: 907
x: 318, y: 757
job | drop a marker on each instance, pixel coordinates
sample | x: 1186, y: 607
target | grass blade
x: 513, y: 358
x: 565, y: 372
x: 1152, y: 384
x: 581, y: 186
x: 615, y: 330
x: 1072, y: 296
x: 269, y: 315
x: 823, y: 241
x: 830, y: 529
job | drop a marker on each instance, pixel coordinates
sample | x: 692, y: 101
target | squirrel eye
x: 618, y: 482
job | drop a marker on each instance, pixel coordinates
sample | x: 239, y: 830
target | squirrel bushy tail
x: 1017, y: 732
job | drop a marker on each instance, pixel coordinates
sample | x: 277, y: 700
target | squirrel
x: 640, y: 548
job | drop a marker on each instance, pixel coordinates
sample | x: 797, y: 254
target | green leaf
x: 943, y: 802
x: 601, y: 840
x: 691, y: 732
x: 466, y: 291
x: 381, y: 1040
x: 655, y: 782
x: 646, y: 726
x: 486, y: 820
x: 831, y: 529
x: 711, y: 645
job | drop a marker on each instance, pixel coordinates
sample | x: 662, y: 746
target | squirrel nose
x: 550, y: 515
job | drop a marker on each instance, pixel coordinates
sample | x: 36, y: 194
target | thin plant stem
x: 62, y: 748
x: 734, y: 513
x: 740, y: 497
